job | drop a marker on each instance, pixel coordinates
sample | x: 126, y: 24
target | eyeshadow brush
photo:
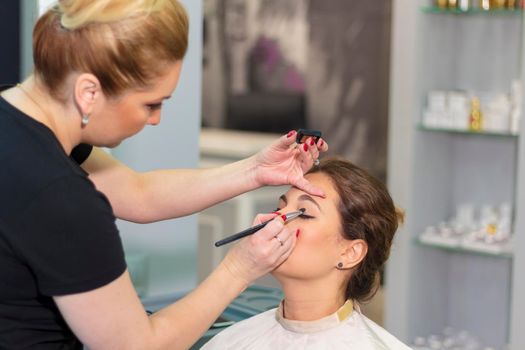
x: 256, y: 228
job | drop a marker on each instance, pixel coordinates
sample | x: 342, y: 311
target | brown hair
x: 123, y: 43
x: 368, y: 213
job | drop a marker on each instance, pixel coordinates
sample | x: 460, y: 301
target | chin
x: 103, y: 143
x: 284, y: 270
x: 110, y: 144
x: 289, y: 270
x: 114, y: 144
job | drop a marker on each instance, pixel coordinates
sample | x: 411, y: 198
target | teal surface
x: 254, y: 300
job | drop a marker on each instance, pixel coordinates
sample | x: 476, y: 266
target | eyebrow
x: 159, y: 100
x: 303, y: 197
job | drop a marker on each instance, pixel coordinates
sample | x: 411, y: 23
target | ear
x: 87, y: 92
x: 352, y: 253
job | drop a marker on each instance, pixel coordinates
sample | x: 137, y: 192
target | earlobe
x: 87, y: 91
x: 353, y: 253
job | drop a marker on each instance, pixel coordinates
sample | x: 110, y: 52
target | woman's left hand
x: 285, y: 162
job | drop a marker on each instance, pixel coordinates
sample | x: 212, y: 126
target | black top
x: 57, y: 234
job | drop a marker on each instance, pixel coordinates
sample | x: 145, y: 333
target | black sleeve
x: 69, y: 238
x: 80, y: 153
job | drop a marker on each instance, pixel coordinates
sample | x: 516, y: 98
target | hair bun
x: 79, y: 13
x: 400, y: 214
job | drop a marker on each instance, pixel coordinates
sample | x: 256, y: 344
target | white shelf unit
x: 432, y: 171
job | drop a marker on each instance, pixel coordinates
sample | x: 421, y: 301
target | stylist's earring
x: 85, y: 119
x: 340, y: 266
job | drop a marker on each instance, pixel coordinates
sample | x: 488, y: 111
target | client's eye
x: 306, y: 216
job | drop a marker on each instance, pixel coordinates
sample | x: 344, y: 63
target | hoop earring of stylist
x: 102, y: 71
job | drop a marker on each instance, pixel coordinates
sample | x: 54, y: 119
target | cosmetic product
x: 452, y: 4
x: 436, y: 110
x: 252, y: 230
x: 464, y: 5
x: 442, y: 4
x: 458, y: 110
x: 498, y: 4
x: 465, y: 216
x: 484, y: 4
x: 304, y: 134
x: 476, y: 117
x: 496, y: 113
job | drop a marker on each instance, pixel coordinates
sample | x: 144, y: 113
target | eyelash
x: 302, y: 216
x: 154, y: 107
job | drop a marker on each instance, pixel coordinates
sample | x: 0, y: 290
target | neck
x: 310, y: 300
x: 35, y: 101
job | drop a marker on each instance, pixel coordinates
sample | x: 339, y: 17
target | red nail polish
x: 312, y: 142
x: 305, y: 147
x: 290, y: 134
x: 297, y: 232
x: 283, y: 217
x: 321, y: 143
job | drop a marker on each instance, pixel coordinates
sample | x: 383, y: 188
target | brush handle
x: 247, y: 232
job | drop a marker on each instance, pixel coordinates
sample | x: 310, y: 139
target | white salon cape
x: 345, y: 329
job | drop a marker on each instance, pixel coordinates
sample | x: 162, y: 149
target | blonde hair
x: 124, y: 43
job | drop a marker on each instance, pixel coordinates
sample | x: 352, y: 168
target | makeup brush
x: 256, y: 228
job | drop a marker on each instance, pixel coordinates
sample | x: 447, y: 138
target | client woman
x: 343, y: 241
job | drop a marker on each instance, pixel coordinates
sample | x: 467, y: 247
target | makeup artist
x: 102, y: 70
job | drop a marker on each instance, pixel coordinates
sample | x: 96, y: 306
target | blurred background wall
x: 276, y: 65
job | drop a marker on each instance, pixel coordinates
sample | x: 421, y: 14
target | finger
x: 322, y: 145
x: 314, y: 151
x: 260, y: 218
x: 307, y: 187
x: 283, y: 236
x: 285, y: 141
x: 306, y: 158
x: 312, y: 148
x: 271, y: 230
x: 286, y: 250
x: 278, y: 242
x: 283, y: 239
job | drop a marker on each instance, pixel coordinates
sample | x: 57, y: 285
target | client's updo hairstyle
x: 123, y: 43
x: 368, y: 213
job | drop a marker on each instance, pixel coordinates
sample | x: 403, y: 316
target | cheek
x: 132, y: 117
x: 314, y: 244
x: 313, y: 255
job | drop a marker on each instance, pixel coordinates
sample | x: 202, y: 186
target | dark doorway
x: 9, y: 41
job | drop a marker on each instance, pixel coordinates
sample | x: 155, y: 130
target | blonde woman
x: 343, y: 243
x: 102, y: 70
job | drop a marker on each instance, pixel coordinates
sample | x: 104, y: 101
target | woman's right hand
x: 262, y: 252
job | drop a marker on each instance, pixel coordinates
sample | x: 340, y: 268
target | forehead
x: 324, y: 182
x: 158, y: 87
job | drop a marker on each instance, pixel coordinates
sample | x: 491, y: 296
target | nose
x: 154, y: 120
